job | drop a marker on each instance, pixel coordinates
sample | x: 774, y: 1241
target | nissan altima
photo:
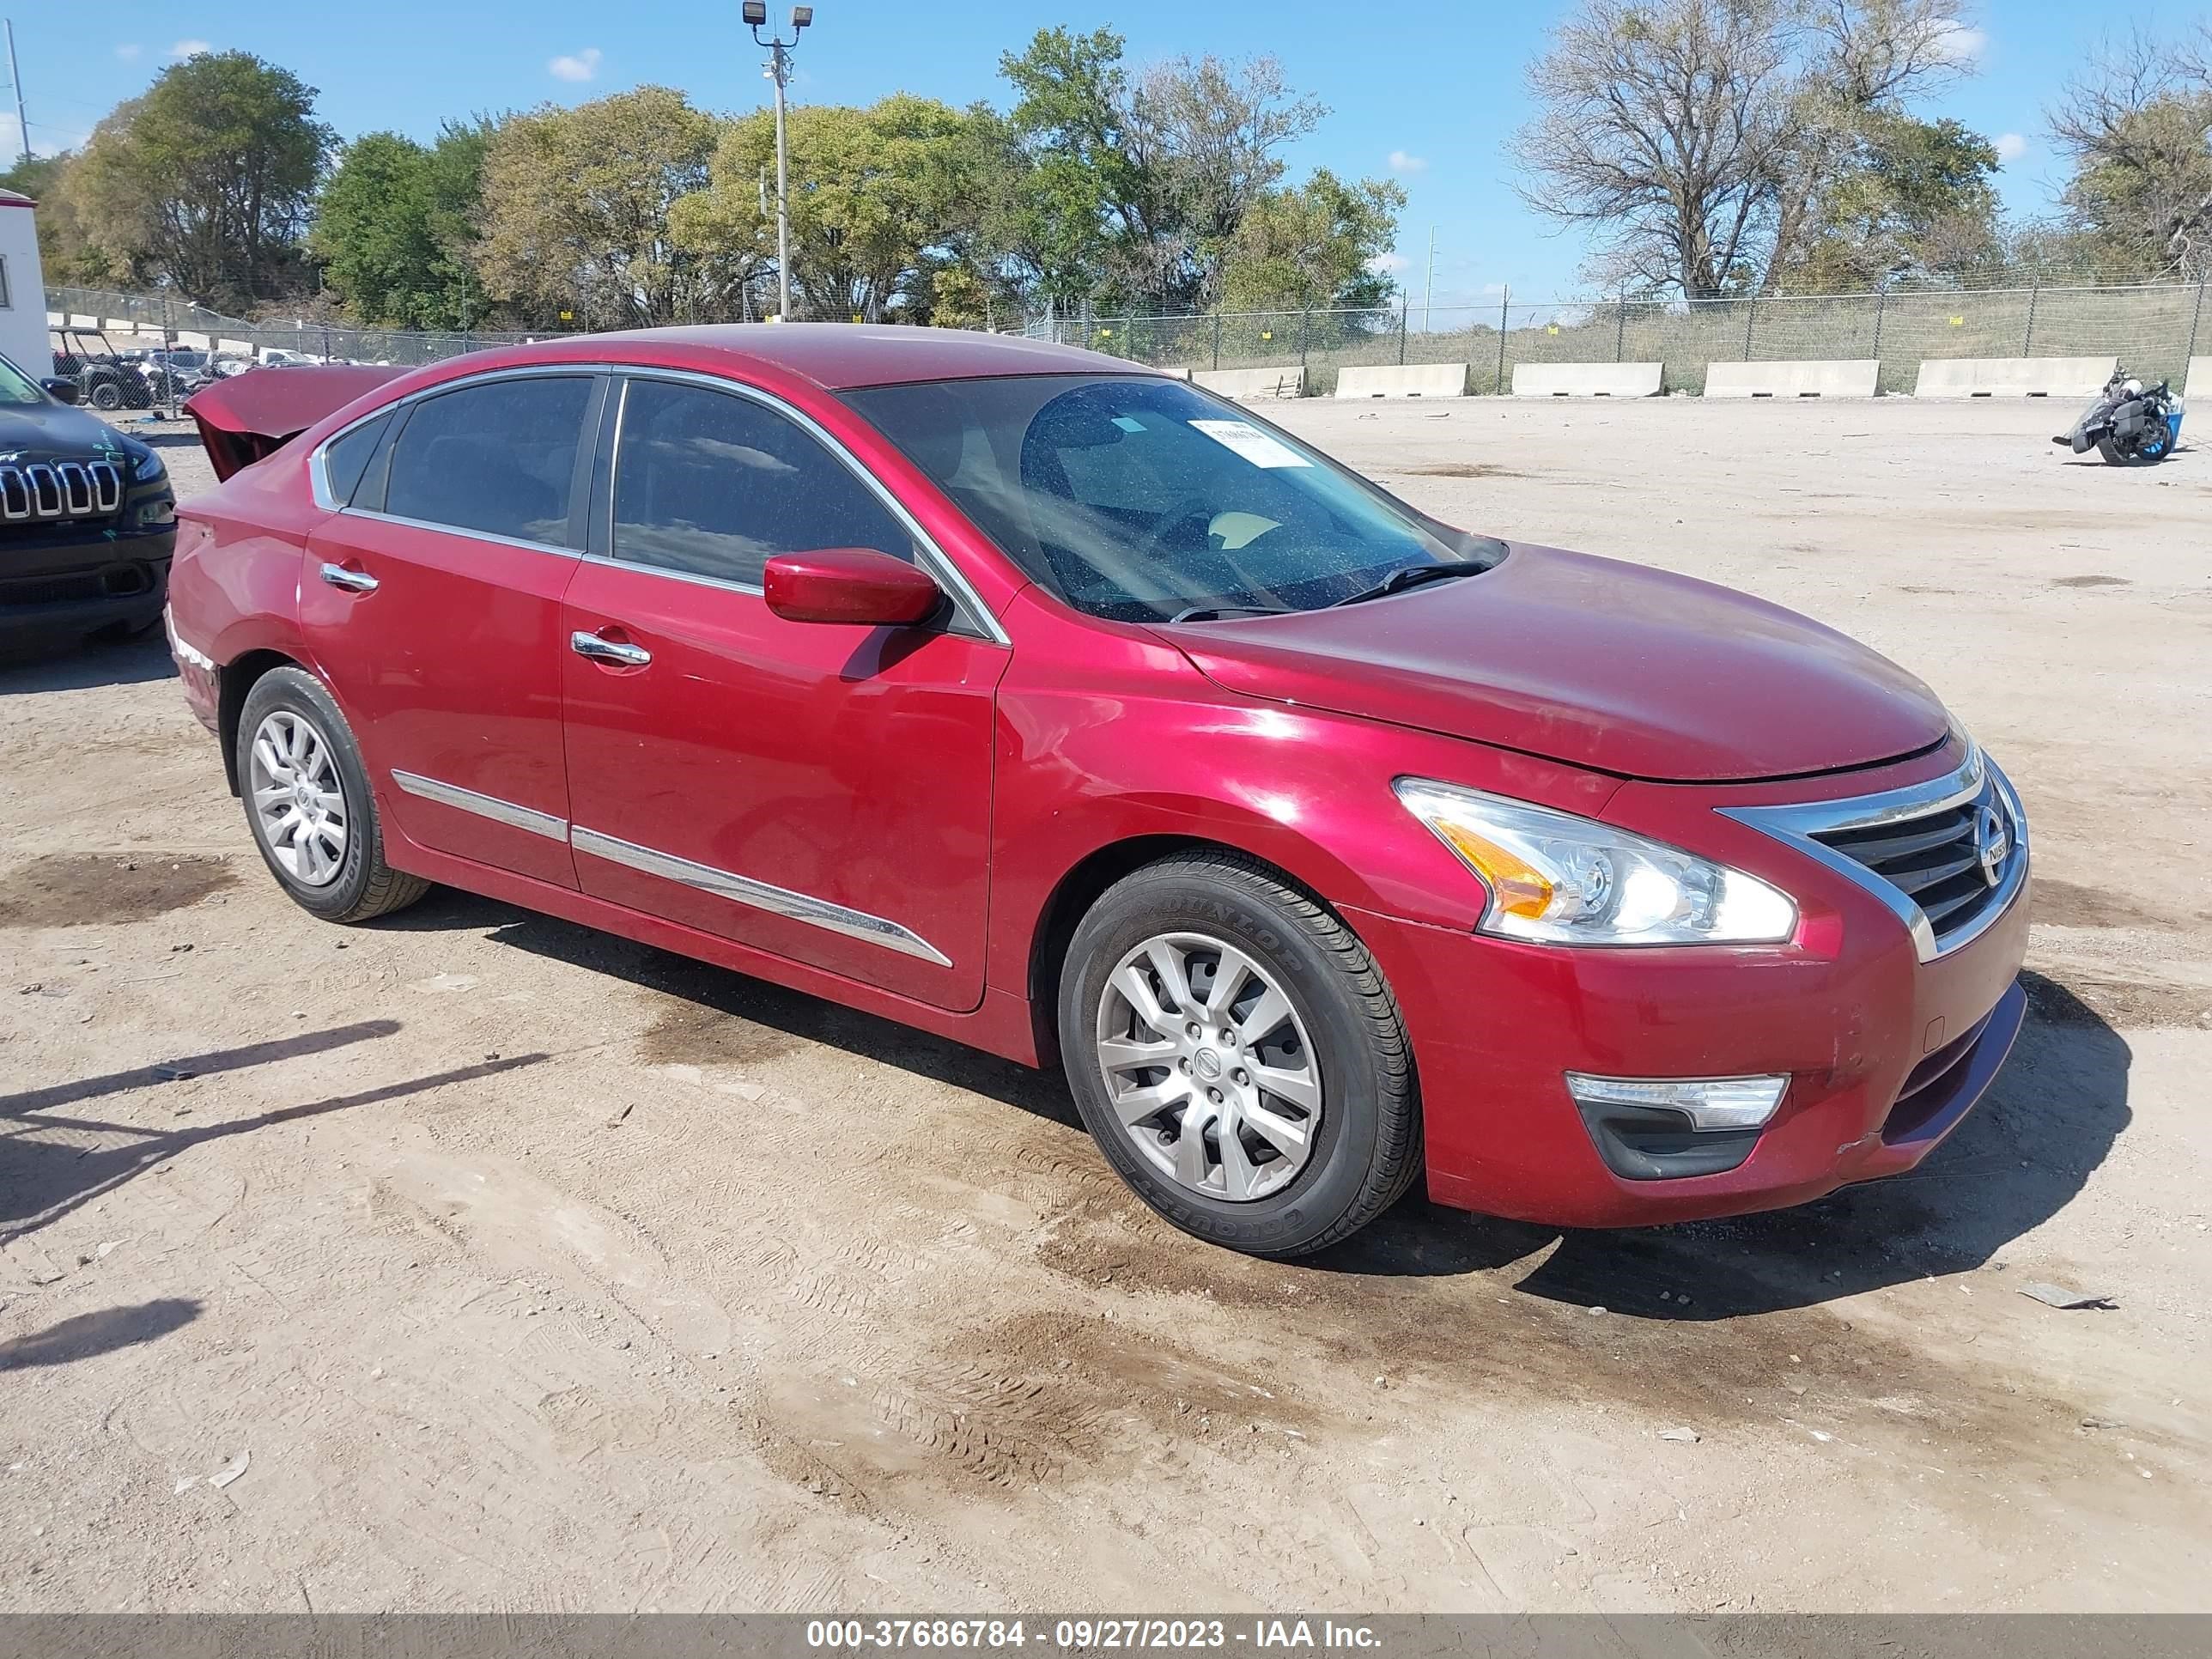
x: 1052, y: 705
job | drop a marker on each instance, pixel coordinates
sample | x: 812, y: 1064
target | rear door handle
x: 353, y: 581
x: 609, y: 651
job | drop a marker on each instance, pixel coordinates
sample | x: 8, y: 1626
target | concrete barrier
x: 1248, y: 386
x: 1402, y: 381
x: 2013, y: 377
x: 2199, y: 381
x: 1838, y: 377
x: 1586, y: 380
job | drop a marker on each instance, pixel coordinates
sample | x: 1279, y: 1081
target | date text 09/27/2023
x: 1092, y: 1635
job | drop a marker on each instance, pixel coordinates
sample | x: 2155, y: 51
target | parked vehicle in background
x: 87, y: 518
x: 1046, y: 703
x: 2129, y: 424
x: 106, y: 379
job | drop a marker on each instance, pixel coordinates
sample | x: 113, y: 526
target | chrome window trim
x: 759, y: 896
x: 483, y: 806
x: 1798, y: 823
x: 930, y: 556
x: 487, y: 536
x: 969, y: 602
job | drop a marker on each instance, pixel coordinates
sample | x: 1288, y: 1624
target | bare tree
x: 2138, y: 123
x: 1693, y: 137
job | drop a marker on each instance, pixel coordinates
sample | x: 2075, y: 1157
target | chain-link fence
x: 2153, y: 328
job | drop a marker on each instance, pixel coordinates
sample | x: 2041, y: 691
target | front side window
x: 1144, y: 500
x: 714, y: 484
x: 17, y: 387
x: 498, y: 458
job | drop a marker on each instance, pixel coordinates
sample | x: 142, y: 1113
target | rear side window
x: 712, y: 484
x: 345, y: 457
x: 499, y: 458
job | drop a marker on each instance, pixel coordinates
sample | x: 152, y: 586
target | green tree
x: 64, y: 254
x: 206, y: 181
x: 2135, y: 124
x: 575, y: 212
x: 1313, y: 245
x: 1911, y: 200
x: 394, y: 229
x: 879, y: 199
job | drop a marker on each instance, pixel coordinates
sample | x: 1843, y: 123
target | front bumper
x: 1886, y: 1053
x: 59, y: 584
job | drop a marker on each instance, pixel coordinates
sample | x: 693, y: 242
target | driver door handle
x: 353, y: 581
x: 616, y: 652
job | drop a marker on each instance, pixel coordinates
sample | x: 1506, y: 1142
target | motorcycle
x: 2129, y: 424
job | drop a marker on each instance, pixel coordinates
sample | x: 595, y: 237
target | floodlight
x: 755, y: 12
x: 801, y: 17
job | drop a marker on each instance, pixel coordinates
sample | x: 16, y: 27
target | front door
x: 433, y: 601
x: 820, y: 792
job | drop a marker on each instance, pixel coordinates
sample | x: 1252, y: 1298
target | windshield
x: 17, y: 387
x: 1140, y: 500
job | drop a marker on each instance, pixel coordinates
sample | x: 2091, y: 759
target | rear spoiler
x: 255, y: 414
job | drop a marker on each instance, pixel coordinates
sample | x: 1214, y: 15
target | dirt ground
x: 475, y: 1261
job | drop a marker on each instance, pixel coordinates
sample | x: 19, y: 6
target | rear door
x: 821, y: 792
x: 433, y: 602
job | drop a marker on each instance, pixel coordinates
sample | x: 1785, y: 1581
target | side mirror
x: 852, y: 585
x: 63, y: 391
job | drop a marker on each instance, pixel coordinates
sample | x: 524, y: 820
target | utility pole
x: 778, y: 70
x: 16, y: 80
x: 1428, y: 299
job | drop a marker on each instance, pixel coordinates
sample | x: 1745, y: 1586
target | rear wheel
x: 106, y: 395
x: 2147, y: 450
x: 1235, y: 1054
x: 308, y: 802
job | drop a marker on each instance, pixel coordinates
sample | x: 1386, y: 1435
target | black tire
x: 2115, y: 456
x: 106, y: 396
x: 365, y: 886
x: 1367, y: 1151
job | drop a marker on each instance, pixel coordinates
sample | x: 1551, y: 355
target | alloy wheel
x: 297, y: 798
x: 1208, y: 1068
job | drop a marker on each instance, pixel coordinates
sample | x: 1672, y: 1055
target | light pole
x: 778, y: 70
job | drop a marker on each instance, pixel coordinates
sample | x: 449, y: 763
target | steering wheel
x: 1187, y: 510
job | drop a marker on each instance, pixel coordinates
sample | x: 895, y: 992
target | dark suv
x: 87, y: 518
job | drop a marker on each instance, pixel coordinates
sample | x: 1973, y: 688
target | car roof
x: 838, y: 357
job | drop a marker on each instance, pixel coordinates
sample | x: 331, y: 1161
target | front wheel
x: 308, y: 802
x: 1236, y: 1055
x: 106, y: 396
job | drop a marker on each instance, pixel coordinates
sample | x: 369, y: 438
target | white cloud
x: 1959, y: 44
x: 128, y: 51
x: 1402, y: 163
x: 189, y: 49
x: 576, y: 66
x: 1385, y: 264
x: 2011, y: 147
x: 1493, y: 290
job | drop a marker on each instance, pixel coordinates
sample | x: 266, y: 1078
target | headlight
x: 1555, y: 879
x: 149, y: 467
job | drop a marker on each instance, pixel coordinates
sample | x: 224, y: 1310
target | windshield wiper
x: 1411, y: 575
x: 1213, y: 612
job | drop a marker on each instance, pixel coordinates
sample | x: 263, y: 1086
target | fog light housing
x: 1669, y: 1128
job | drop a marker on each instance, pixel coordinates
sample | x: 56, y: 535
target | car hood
x: 1590, y: 661
x: 47, y: 429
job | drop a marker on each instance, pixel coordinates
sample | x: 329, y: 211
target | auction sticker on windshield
x: 1254, y: 445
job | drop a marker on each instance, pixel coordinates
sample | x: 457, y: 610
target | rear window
x: 498, y: 459
x: 345, y: 457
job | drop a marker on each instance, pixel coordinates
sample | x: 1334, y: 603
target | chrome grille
x: 60, y: 490
x: 1947, y: 856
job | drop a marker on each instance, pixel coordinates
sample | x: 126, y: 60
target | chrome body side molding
x: 759, y: 896
x: 484, y: 806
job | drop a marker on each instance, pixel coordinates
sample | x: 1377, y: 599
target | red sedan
x: 1052, y: 705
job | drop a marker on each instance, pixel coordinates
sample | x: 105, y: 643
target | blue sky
x: 1427, y: 90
